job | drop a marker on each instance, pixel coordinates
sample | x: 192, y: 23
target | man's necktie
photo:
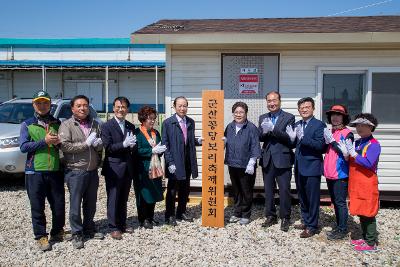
x: 184, y: 130
x: 273, y: 119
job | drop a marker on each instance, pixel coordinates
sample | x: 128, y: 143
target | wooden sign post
x: 213, y: 159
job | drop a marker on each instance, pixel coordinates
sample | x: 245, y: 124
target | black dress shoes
x: 285, y: 224
x: 307, y: 233
x: 171, y: 221
x: 155, y: 222
x: 148, y: 224
x: 185, y: 217
x: 300, y: 226
x: 271, y: 220
x: 128, y: 230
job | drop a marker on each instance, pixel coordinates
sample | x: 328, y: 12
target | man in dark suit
x: 276, y: 159
x: 118, y: 167
x: 310, y: 145
x: 180, y: 160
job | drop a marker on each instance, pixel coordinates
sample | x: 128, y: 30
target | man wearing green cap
x: 43, y: 178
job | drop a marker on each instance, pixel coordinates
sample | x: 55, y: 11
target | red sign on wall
x: 248, y: 84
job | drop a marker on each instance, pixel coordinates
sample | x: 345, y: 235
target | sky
x: 119, y: 18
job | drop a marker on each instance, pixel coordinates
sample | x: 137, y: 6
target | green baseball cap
x: 41, y: 95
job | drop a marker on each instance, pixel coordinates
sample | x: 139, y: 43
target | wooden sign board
x: 213, y: 159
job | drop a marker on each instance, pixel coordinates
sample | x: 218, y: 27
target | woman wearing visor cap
x: 363, y: 180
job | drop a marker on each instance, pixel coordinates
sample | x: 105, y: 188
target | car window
x: 93, y: 113
x: 65, y: 112
x: 15, y: 112
x: 53, y: 109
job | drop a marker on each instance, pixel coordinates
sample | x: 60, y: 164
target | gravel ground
x: 189, y: 244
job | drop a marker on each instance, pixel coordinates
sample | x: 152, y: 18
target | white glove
x: 200, y: 140
x: 97, y: 142
x: 343, y: 148
x: 267, y: 125
x: 249, y: 169
x: 328, y: 136
x: 351, y: 148
x: 172, y: 169
x: 134, y: 141
x: 299, y: 132
x: 158, y: 149
x: 250, y: 166
x: 130, y: 140
x: 291, y: 133
x: 90, y: 139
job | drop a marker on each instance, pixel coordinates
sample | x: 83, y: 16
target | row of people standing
x: 311, y: 139
x: 129, y: 154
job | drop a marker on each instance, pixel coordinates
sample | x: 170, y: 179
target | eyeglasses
x: 305, y: 108
x: 239, y: 112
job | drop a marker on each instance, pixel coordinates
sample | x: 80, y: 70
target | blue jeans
x: 338, y: 192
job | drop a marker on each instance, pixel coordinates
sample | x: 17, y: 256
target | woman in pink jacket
x: 336, y: 166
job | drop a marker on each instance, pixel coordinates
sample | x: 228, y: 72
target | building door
x: 94, y: 91
x: 248, y: 78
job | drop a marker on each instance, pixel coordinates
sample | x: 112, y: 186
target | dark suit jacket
x: 118, y: 160
x: 309, y: 150
x: 172, y: 138
x: 277, y: 146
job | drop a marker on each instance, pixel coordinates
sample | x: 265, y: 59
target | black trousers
x: 117, y: 201
x: 82, y: 186
x: 145, y: 210
x: 42, y: 185
x: 242, y: 190
x: 282, y: 177
x: 308, y: 189
x: 182, y: 187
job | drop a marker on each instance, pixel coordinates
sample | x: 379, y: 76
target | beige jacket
x: 77, y: 154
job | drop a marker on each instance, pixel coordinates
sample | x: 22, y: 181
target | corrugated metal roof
x: 82, y: 64
x: 275, y: 25
x: 73, y: 43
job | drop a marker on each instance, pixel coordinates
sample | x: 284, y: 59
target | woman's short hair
x: 240, y: 104
x: 341, y: 110
x: 145, y: 112
x: 369, y: 117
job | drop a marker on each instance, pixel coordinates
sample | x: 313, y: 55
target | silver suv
x: 12, y: 114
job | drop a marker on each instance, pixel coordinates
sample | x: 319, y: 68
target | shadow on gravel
x: 327, y: 215
x: 12, y: 182
x: 102, y: 225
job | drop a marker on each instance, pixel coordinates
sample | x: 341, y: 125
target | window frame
x: 368, y: 71
x: 340, y: 70
x: 371, y: 71
x: 62, y: 105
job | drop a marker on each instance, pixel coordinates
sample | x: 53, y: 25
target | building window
x: 345, y: 89
x: 386, y: 97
